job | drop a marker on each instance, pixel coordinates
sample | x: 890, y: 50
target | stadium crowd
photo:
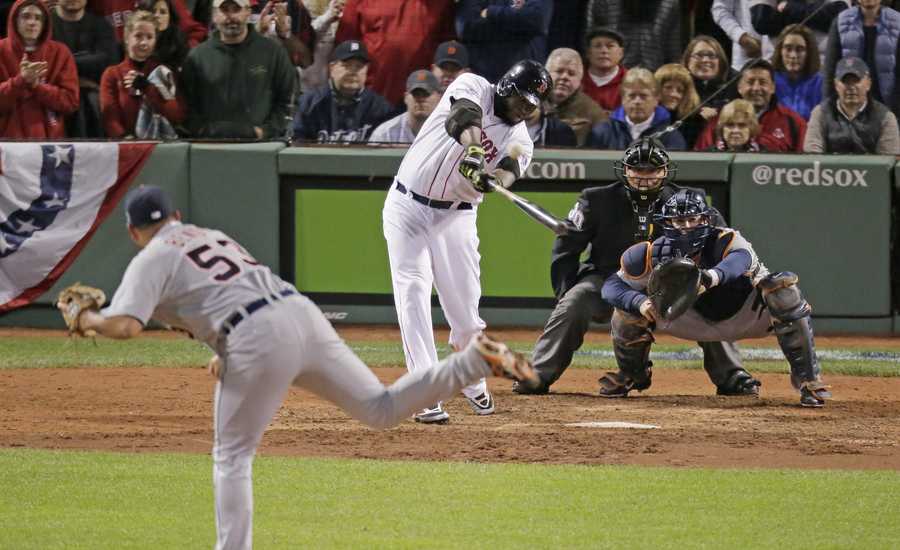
x: 738, y: 75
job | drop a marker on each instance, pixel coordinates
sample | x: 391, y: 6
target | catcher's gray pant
x: 751, y: 321
x: 571, y: 318
x: 291, y: 343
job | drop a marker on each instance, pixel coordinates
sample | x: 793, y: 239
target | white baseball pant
x: 430, y: 247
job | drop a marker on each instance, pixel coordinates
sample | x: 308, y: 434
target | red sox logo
x: 490, y: 150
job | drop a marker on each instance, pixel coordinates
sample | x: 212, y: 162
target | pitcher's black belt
x: 434, y: 203
x: 246, y: 311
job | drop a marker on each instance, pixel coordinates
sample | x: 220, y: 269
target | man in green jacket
x: 239, y: 84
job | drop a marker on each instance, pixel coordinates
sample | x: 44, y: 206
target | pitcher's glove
x: 673, y: 287
x: 75, y: 300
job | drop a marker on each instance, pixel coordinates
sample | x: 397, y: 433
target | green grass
x: 37, y: 352
x: 100, y: 500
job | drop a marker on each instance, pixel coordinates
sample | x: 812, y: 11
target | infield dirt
x: 157, y: 410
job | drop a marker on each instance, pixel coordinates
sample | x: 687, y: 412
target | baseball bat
x: 535, y: 212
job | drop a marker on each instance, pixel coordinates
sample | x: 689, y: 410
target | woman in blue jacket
x: 798, y: 80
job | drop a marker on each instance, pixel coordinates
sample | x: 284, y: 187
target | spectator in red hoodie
x: 604, y: 50
x: 130, y: 86
x: 400, y: 36
x: 117, y: 11
x: 38, y: 78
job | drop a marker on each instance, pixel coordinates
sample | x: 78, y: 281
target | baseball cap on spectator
x: 607, y: 32
x: 851, y: 65
x: 241, y: 3
x: 147, y: 205
x: 422, y: 80
x: 350, y: 49
x: 452, y: 52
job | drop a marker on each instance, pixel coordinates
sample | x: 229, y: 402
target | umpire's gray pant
x: 571, y: 318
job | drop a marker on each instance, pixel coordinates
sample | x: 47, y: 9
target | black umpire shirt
x: 604, y: 219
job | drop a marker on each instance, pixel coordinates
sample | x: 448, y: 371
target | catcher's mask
x: 521, y: 90
x: 645, y: 168
x: 685, y: 221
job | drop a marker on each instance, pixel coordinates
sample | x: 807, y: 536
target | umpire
x: 609, y: 219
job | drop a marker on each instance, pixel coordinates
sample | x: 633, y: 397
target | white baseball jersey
x: 430, y: 167
x: 191, y: 278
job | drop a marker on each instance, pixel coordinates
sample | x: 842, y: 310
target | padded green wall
x: 826, y: 219
x: 341, y: 247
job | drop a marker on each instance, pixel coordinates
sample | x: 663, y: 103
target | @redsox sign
x: 814, y: 176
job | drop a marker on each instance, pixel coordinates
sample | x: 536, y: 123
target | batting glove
x: 472, y: 164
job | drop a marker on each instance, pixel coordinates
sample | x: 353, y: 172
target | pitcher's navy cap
x: 147, y: 205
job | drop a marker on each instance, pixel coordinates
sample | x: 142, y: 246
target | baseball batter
x: 739, y: 299
x: 429, y: 213
x: 267, y: 337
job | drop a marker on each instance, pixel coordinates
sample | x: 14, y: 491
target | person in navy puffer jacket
x: 871, y: 32
x: 639, y: 116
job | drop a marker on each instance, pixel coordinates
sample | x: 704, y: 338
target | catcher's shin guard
x: 632, y: 340
x: 796, y: 341
x: 792, y: 324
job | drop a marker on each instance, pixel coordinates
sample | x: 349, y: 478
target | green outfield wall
x: 314, y: 214
x: 824, y: 218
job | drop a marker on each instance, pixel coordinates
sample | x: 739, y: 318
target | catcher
x: 701, y: 282
x: 605, y: 221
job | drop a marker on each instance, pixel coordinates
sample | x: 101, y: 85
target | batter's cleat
x: 618, y: 384
x: 523, y: 389
x: 432, y: 415
x: 483, y: 404
x: 814, y: 394
x: 505, y: 362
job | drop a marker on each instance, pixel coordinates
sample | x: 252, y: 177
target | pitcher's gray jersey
x: 191, y: 278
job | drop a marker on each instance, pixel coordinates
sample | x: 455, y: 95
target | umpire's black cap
x: 147, y: 205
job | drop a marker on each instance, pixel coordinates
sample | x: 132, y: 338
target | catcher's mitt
x: 674, y: 287
x: 74, y: 300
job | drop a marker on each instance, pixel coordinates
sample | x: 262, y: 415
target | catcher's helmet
x: 528, y: 79
x: 646, y: 153
x: 686, y: 203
